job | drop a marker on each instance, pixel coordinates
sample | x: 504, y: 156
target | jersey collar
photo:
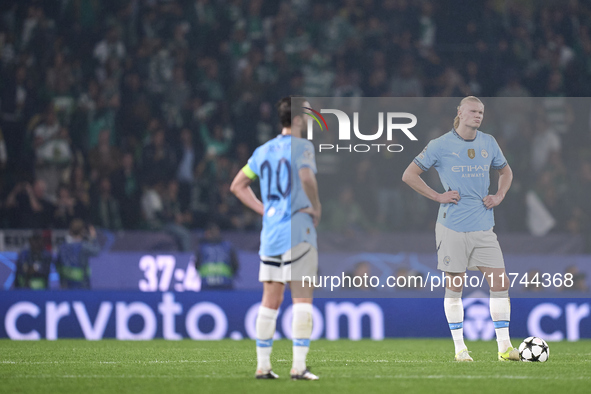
x: 460, y: 137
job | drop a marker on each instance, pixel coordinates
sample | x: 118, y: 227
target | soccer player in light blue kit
x: 291, y: 210
x: 464, y: 235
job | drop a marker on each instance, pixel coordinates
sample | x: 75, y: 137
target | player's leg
x: 500, y: 311
x: 271, y: 274
x: 265, y: 327
x: 452, y: 258
x: 454, y: 313
x: 488, y: 258
x: 304, y: 264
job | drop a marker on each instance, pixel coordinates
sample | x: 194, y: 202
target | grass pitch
x: 389, y: 366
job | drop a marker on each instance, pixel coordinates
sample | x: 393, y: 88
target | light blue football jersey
x: 464, y: 166
x: 277, y: 164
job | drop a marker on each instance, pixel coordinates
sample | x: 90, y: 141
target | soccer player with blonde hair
x: 464, y: 235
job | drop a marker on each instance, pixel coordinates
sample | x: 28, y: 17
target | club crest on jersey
x: 484, y: 153
x: 446, y: 260
x: 471, y: 153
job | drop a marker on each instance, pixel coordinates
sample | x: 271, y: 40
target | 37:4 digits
x: 160, y: 273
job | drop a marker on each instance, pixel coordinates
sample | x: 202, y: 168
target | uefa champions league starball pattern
x: 534, y: 349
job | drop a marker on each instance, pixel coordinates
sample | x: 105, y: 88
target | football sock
x: 454, y: 312
x: 500, y: 312
x: 265, y: 327
x: 301, y: 332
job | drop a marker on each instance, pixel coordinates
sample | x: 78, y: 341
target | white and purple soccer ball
x: 534, y: 349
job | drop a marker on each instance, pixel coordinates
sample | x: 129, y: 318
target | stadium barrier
x: 133, y: 315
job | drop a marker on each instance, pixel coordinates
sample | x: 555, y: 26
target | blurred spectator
x: 406, y: 83
x: 174, y: 218
x: 54, y: 156
x: 29, y: 206
x: 559, y: 114
x: 264, y: 126
x: 159, y: 159
x: 228, y: 210
x: 188, y: 161
x: 126, y: 189
x: 104, y: 158
x: 110, y: 46
x: 545, y: 142
x: 176, y: 96
x: 474, y: 78
x: 516, y: 111
x: 135, y: 109
x: 80, y: 190
x: 66, y: 208
x: 345, y: 215
x: 47, y: 129
x: 33, y: 265
x: 151, y: 202
x: 16, y: 101
x: 72, y: 257
x: 106, y: 209
x: 59, y: 77
x: 219, y: 143
x: 216, y: 260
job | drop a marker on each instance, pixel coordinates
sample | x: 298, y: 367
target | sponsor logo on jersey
x: 475, y: 168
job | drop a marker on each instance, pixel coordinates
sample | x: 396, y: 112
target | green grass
x: 390, y: 366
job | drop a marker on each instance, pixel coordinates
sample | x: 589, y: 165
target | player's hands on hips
x: 451, y: 196
x: 492, y: 201
x: 315, y: 213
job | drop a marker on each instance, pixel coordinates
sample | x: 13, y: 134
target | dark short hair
x: 77, y: 228
x: 284, y: 109
x: 211, y: 226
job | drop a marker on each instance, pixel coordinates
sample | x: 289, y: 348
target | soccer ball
x: 534, y: 349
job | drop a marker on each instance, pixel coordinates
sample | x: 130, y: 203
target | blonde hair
x: 469, y: 98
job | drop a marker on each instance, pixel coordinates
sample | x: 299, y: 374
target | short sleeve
x: 428, y: 157
x: 251, y: 168
x: 305, y: 157
x: 498, y: 161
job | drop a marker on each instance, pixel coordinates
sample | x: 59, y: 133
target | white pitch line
x: 149, y: 362
x: 111, y: 362
x: 242, y: 376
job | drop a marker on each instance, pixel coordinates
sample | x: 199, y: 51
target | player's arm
x: 505, y: 179
x: 241, y: 188
x: 412, y: 177
x: 310, y: 186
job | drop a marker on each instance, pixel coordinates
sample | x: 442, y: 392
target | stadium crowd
x: 136, y: 114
